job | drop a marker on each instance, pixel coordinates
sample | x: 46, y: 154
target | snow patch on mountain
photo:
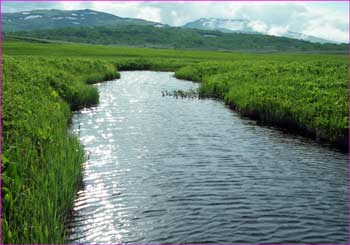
x: 32, y: 17
x: 234, y: 25
x: 207, y: 35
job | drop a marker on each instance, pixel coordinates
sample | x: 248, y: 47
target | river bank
x: 308, y: 98
x: 41, y: 160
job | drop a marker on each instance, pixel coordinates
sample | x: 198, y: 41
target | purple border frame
x: 174, y: 1
x: 0, y: 122
x: 1, y: 142
x: 349, y: 120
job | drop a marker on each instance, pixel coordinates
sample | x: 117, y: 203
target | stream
x: 167, y: 170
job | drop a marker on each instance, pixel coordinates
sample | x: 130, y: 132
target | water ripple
x: 163, y: 170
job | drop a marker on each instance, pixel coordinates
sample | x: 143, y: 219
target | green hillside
x: 179, y: 38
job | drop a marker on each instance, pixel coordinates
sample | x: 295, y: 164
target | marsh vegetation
x: 43, y: 83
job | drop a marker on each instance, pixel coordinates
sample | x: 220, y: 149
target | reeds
x: 41, y: 159
x: 306, y: 97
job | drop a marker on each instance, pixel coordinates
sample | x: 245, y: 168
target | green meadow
x: 43, y: 83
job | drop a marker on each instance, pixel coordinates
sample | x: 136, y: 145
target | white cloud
x: 327, y: 31
x: 149, y: 13
x: 258, y: 26
x: 278, y: 30
x: 73, y: 5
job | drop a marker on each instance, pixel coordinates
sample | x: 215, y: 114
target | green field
x: 114, y: 53
x: 44, y: 82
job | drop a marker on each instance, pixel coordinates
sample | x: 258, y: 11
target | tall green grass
x: 310, y: 97
x: 41, y: 159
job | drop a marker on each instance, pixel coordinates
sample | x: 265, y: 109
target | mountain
x: 176, y: 37
x: 89, y: 26
x: 52, y: 19
x: 244, y: 26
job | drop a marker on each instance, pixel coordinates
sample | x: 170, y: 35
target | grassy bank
x: 41, y: 159
x: 309, y: 97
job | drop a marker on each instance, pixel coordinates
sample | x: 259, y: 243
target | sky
x: 328, y: 20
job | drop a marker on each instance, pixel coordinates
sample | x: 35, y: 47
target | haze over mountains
x: 89, y: 26
x: 246, y: 26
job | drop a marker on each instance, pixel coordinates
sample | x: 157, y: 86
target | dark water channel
x: 166, y: 170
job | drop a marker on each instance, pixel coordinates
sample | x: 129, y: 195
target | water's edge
x: 286, y: 124
x: 130, y: 139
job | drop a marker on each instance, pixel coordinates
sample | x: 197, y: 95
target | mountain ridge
x: 55, y: 19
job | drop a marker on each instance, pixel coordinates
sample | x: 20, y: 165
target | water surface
x: 166, y: 170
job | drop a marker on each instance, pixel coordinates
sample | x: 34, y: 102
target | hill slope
x: 171, y: 37
x: 52, y: 19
